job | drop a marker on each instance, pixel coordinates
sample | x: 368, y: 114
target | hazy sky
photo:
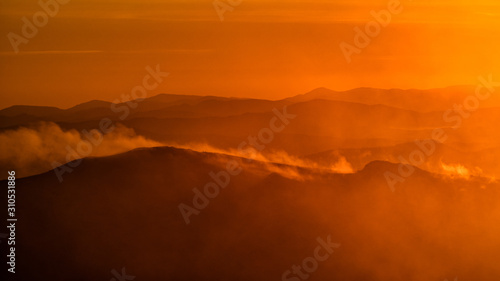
x: 265, y: 49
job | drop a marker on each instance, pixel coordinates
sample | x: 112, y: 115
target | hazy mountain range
x: 372, y: 120
x: 324, y: 164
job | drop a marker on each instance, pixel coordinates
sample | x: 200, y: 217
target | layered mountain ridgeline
x: 433, y: 102
x: 160, y: 106
x: 170, y: 105
x: 413, y: 99
x: 124, y: 211
x: 358, y: 126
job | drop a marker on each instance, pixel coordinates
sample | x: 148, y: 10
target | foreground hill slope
x: 123, y: 211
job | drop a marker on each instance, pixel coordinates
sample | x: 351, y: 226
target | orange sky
x: 265, y: 49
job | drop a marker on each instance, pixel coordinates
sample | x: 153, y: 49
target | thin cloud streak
x: 66, y: 52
